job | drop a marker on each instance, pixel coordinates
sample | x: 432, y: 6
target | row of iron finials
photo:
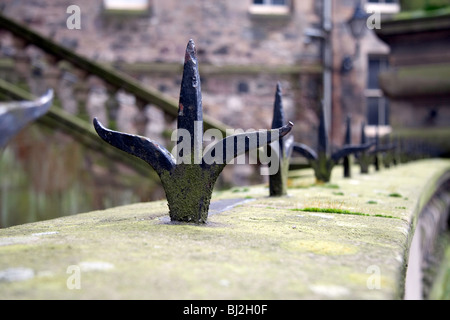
x: 189, y: 186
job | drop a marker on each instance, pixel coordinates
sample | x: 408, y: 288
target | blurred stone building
x: 417, y: 79
x: 244, y: 48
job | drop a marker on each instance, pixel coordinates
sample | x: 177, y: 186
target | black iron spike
x: 160, y: 159
x: 190, y: 110
x: 381, y: 153
x: 363, y: 133
x: 14, y: 116
x: 376, y: 151
x: 349, y: 149
x: 347, y: 161
x: 397, y: 151
x: 387, y: 152
x: 348, y: 131
x: 323, y: 134
x: 365, y: 158
x: 188, y: 181
x: 323, y: 161
x: 278, y: 181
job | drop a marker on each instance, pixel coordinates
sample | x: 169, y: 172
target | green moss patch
x: 395, y: 195
x: 342, y: 211
x: 331, y: 210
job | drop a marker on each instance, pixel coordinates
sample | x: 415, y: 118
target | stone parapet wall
x: 349, y: 239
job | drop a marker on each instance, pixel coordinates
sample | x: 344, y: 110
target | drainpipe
x: 327, y: 60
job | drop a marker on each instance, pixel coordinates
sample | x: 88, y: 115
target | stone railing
x: 349, y: 239
x: 83, y: 132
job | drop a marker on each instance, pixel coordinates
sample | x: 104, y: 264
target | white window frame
x: 382, y: 129
x: 382, y: 7
x: 268, y: 8
x: 126, y: 5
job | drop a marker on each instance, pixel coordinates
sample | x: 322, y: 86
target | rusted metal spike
x: 382, y: 153
x: 386, y: 147
x: 347, y: 160
x: 376, y: 151
x: 323, y: 162
x: 278, y: 181
x: 189, y: 179
x: 278, y: 113
x: 305, y: 151
x: 241, y: 143
x: 348, y: 148
x: 190, y: 110
x: 148, y: 150
x: 323, y: 134
x: 320, y: 161
x: 363, y: 133
x: 348, y: 130
x: 364, y: 158
x: 397, y: 151
x: 14, y: 116
x: 388, y: 151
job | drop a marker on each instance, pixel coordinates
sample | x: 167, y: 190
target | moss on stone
x: 395, y: 195
x: 188, y: 190
x: 259, y: 249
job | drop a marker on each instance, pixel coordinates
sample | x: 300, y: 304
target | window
x: 126, y: 6
x: 377, y: 111
x: 386, y: 7
x: 270, y: 7
x: 375, y: 65
x: 377, y: 104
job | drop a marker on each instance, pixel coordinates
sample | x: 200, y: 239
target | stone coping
x: 355, y: 246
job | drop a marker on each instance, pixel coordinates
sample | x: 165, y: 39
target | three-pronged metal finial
x: 389, y: 152
x: 382, y: 153
x: 14, y: 116
x: 278, y: 181
x: 374, y: 156
x: 188, y: 177
x: 347, y: 160
x: 364, y: 157
x: 323, y: 160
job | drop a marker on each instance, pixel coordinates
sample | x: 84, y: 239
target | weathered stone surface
x: 263, y: 248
